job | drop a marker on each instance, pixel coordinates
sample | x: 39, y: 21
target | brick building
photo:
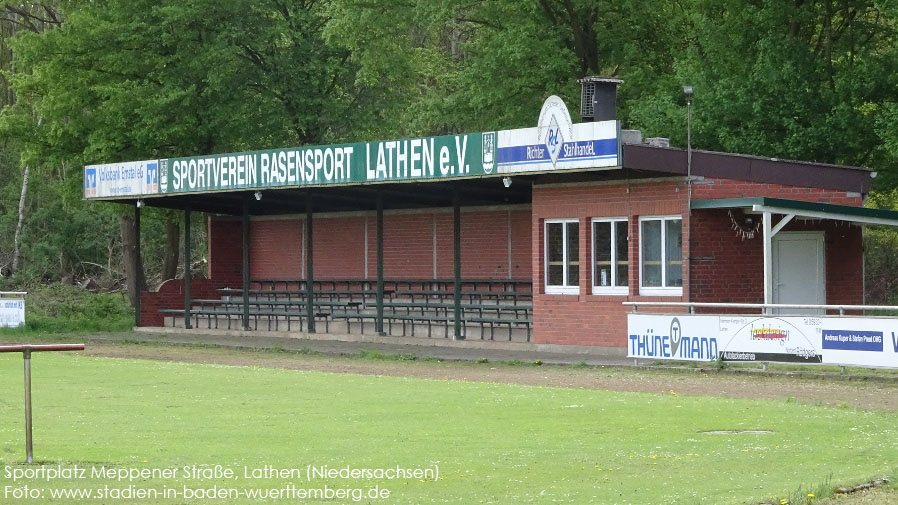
x: 552, y: 238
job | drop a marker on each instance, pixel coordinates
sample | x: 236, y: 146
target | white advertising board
x: 130, y: 178
x: 679, y: 337
x: 558, y: 144
x: 838, y: 340
x: 12, y: 312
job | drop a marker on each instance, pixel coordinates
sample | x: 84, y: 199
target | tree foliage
x: 101, y: 81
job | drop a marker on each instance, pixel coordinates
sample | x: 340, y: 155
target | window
x: 609, y: 256
x: 562, y: 256
x: 661, y: 255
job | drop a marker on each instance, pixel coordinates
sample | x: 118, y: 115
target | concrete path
x: 421, y: 348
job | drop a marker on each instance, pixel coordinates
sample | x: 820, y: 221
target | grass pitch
x: 491, y: 443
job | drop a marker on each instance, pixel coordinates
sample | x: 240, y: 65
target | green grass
x: 493, y: 443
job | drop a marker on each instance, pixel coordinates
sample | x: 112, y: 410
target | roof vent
x: 658, y: 142
x: 598, y: 97
x: 631, y: 136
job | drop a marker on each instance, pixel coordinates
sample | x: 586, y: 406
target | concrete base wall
x: 436, y: 330
x: 411, y: 341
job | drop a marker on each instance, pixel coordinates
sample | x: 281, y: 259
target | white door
x: 799, y: 270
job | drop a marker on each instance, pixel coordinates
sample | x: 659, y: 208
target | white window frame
x: 613, y: 289
x: 564, y: 289
x: 664, y: 290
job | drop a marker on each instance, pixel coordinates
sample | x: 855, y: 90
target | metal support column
x: 187, y: 299
x: 456, y: 242
x: 29, y: 452
x: 379, y: 322
x: 245, y: 230
x: 310, y: 291
x: 768, y: 261
x: 138, y: 262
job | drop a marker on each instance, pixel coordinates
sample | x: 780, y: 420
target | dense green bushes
x: 61, y: 308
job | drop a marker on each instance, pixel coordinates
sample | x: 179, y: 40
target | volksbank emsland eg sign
x: 556, y: 144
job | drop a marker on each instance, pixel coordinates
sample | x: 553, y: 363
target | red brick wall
x: 484, y: 251
x: 587, y: 319
x: 725, y: 268
x: 275, y: 248
x: 521, y: 240
x: 408, y: 246
x: 226, y: 251
x: 171, y: 296
x: 445, y: 265
x: 339, y: 247
x: 484, y: 238
x: 372, y: 245
x: 225, y: 270
x: 844, y: 264
x: 339, y: 241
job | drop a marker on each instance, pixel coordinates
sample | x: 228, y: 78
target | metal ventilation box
x: 598, y: 98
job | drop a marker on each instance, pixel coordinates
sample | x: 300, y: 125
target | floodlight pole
x: 26, y: 351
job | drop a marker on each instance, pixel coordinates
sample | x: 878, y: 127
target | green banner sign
x: 451, y: 156
x: 554, y: 144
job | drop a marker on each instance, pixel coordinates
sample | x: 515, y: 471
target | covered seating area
x: 489, y: 308
x: 410, y: 307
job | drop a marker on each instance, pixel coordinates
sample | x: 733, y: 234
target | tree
x: 799, y: 79
x: 147, y: 79
x: 432, y: 68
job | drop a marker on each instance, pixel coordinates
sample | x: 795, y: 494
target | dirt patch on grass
x: 868, y: 395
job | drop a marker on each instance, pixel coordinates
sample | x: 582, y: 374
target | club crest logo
x: 163, y: 176
x: 553, y: 141
x: 489, y: 152
x: 555, y: 127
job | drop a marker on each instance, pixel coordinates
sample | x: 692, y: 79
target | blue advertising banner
x: 848, y: 340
